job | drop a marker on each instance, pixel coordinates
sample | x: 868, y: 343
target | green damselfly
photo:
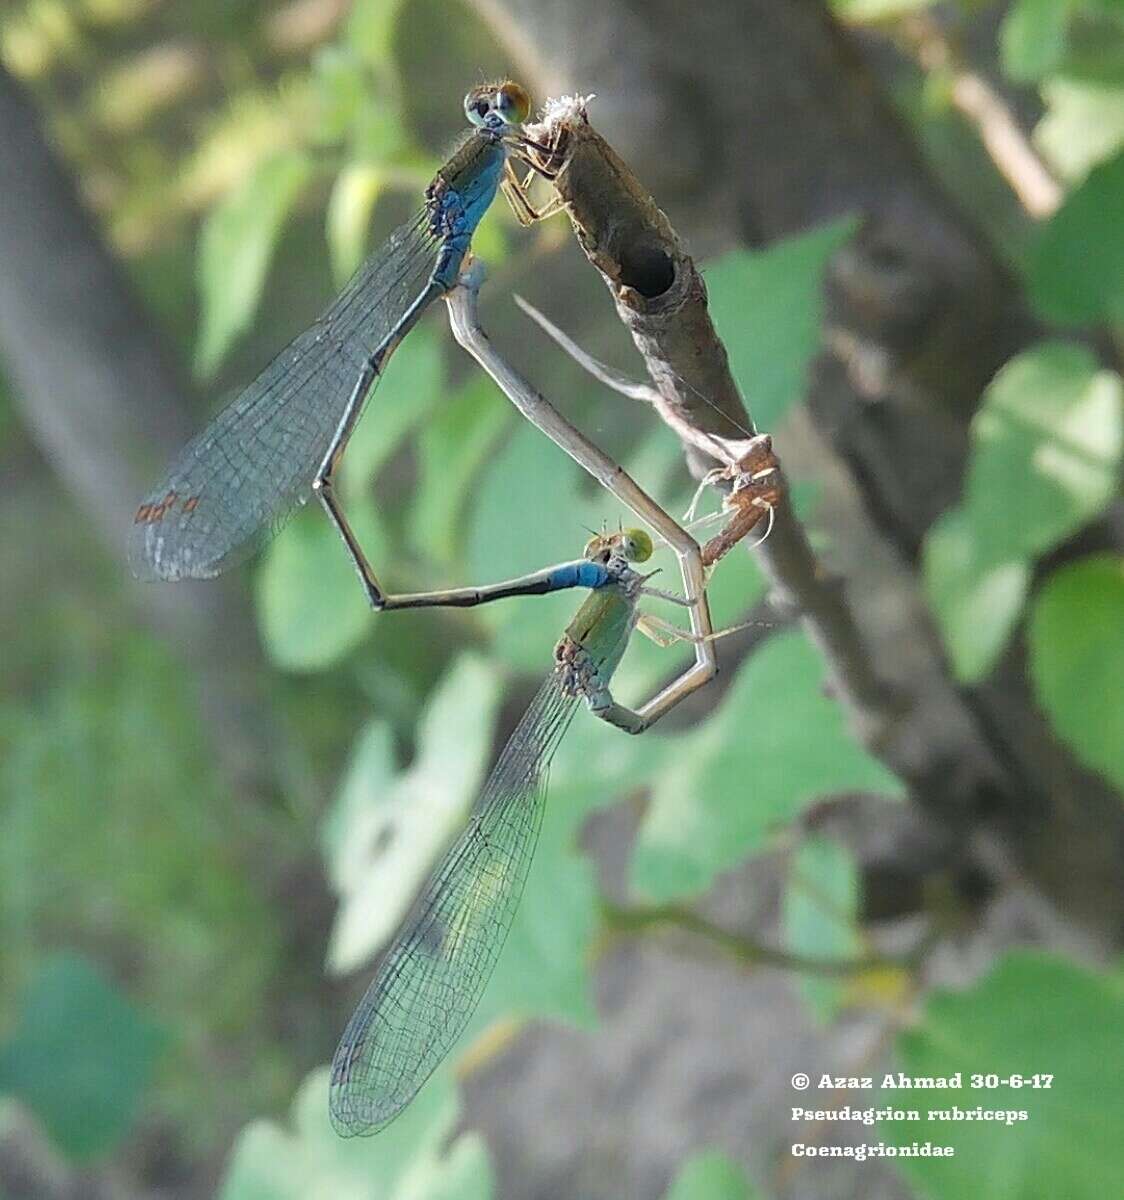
x: 432, y: 977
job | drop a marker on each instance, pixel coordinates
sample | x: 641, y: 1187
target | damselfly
x: 283, y: 437
x: 432, y: 977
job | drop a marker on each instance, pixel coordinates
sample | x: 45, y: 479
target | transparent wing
x: 237, y: 481
x: 433, y: 975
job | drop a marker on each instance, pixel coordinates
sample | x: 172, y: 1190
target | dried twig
x: 637, y: 919
x: 978, y: 102
x: 634, y: 389
x: 659, y: 293
x: 661, y: 299
x: 753, y: 484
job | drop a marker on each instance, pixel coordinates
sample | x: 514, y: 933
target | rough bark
x: 99, y: 395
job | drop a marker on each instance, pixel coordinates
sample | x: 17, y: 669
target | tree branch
x: 661, y: 300
x: 753, y: 120
x: 639, y: 919
x: 980, y: 104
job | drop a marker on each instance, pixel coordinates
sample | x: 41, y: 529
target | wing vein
x: 431, y: 979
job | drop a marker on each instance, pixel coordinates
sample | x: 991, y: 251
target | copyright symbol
x: 800, y: 1081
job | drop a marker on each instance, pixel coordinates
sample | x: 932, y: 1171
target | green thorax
x: 602, y: 626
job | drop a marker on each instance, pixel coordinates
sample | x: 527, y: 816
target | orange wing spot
x: 149, y: 514
x: 191, y: 504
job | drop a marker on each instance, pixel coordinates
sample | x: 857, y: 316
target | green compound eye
x: 636, y: 545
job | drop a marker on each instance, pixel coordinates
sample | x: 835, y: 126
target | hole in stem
x: 646, y: 268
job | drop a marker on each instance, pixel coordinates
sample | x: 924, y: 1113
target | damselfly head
x: 498, y: 105
x: 633, y: 545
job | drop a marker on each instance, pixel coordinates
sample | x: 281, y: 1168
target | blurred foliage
x: 1032, y: 40
x: 114, y: 833
x: 711, y: 1177
x: 766, y: 752
x: 412, y: 1160
x: 80, y: 1057
x: 1077, y: 659
x: 781, y: 287
x: 243, y: 157
x: 235, y: 250
x: 821, y: 918
x: 388, y: 828
x: 1047, y: 442
x: 1077, y: 267
x: 1029, y: 1008
x: 1073, y: 50
x: 866, y: 12
x: 420, y: 1157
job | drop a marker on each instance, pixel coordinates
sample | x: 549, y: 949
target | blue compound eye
x: 477, y: 105
x: 498, y: 104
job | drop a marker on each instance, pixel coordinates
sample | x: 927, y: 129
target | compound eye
x: 512, y: 103
x: 598, y: 549
x: 477, y: 106
x: 636, y: 545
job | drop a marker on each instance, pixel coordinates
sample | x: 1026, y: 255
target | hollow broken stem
x: 661, y: 299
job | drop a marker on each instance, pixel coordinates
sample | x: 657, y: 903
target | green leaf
x: 81, y: 1056
x: 354, y: 195
x: 768, y: 307
x: 370, y: 30
x: 387, y: 833
x: 976, y: 600
x: 411, y: 386
x: 1076, y: 272
x: 311, y: 605
x: 235, y: 248
x: 1032, y: 38
x: 1077, y: 659
x: 1083, y: 125
x: 369, y: 775
x: 544, y: 968
x: 821, y: 917
x: 1032, y: 1013
x: 775, y: 745
x: 1045, y: 454
x: 453, y: 446
x: 339, y: 77
x: 1046, y: 449
x: 711, y: 1176
x: 412, y: 1160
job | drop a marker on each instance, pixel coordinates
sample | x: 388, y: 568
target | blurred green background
x: 195, y: 792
